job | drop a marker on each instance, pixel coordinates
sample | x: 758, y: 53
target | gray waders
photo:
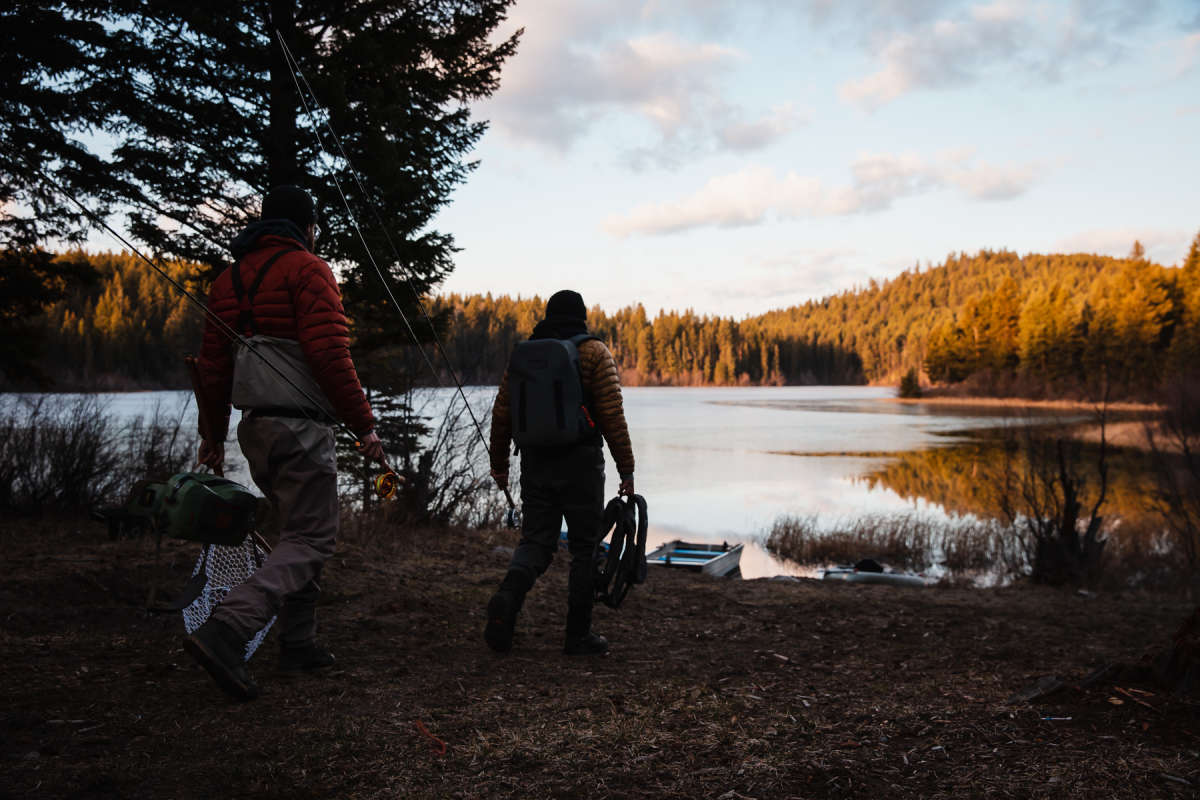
x: 556, y: 484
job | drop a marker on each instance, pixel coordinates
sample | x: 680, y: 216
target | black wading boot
x: 309, y: 657
x: 220, y: 650
x: 502, y: 611
x: 580, y: 639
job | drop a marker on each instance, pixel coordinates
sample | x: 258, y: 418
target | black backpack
x: 545, y: 393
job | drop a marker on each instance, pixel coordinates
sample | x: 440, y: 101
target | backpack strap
x: 577, y: 340
x: 246, y: 298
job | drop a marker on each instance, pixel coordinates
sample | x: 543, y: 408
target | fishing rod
x: 385, y: 484
x: 298, y: 77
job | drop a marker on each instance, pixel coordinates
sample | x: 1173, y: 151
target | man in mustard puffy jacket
x: 558, y: 482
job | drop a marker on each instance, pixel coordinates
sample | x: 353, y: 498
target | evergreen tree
x: 30, y: 280
x: 57, y: 80
x: 206, y: 114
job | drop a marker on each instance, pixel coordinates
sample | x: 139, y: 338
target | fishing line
x: 324, y: 149
x: 385, y: 484
x: 298, y: 77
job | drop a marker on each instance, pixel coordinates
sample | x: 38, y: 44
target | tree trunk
x: 282, y: 132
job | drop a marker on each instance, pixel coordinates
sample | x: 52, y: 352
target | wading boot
x: 501, y: 621
x: 590, y: 644
x: 503, y: 609
x: 580, y: 639
x: 309, y: 657
x: 220, y: 650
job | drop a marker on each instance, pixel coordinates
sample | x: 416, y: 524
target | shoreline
x: 1125, y: 433
x: 1018, y: 402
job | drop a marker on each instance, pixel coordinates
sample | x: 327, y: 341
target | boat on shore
x: 719, y: 560
x: 852, y: 574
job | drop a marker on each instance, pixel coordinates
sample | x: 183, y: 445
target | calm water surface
x: 721, y: 464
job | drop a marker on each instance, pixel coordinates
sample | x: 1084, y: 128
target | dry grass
x: 907, y: 541
x: 734, y: 689
x: 969, y: 550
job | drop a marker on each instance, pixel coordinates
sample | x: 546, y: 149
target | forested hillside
x: 994, y: 322
x: 1034, y: 326
x: 673, y: 348
x: 115, y: 325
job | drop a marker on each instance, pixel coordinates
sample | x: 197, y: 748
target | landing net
x: 224, y: 568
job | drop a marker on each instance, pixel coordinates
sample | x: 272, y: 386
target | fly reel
x: 387, y: 484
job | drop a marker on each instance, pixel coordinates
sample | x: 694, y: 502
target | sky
x: 735, y: 156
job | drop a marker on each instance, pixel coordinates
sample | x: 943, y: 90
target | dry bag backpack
x: 194, y: 506
x: 545, y: 393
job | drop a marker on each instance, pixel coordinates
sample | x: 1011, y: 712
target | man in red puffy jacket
x: 285, y: 303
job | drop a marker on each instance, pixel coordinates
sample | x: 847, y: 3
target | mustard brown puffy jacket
x: 598, y: 372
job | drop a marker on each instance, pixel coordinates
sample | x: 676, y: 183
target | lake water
x: 721, y: 464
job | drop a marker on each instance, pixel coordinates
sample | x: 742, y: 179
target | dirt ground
x: 714, y: 688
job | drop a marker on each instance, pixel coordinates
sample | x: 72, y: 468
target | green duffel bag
x: 204, y: 508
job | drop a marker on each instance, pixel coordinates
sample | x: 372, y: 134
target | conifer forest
x: 995, y: 323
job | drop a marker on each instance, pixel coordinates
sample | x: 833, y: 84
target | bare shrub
x: 56, y: 454
x: 449, y: 482
x: 158, y: 446
x: 971, y: 546
x: 1143, y: 557
x: 67, y: 454
x: 1052, y: 493
x: 1174, y: 442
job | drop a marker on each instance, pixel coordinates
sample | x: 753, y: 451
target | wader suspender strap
x: 246, y: 298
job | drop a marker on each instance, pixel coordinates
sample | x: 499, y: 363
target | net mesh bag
x: 224, y: 568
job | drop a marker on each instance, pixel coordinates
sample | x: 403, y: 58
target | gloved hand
x: 501, y: 478
x: 371, y: 448
x: 211, y: 455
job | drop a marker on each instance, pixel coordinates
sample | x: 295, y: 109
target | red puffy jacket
x: 298, y: 299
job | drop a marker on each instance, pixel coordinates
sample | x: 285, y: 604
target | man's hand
x: 371, y: 448
x: 211, y: 455
x: 501, y: 478
x: 626, y: 488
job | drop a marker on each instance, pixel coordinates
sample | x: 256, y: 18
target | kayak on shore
x: 870, y: 571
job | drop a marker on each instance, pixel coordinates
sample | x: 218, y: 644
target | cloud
x: 991, y: 183
x: 752, y: 195
x: 582, y: 63
x: 553, y: 93
x: 1189, y: 54
x: 1163, y: 245
x: 959, y: 46
x: 793, y: 277
x: 744, y: 137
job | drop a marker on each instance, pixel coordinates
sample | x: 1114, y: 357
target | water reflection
x: 980, y: 477
x: 722, y: 464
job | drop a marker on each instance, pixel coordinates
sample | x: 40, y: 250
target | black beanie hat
x: 290, y: 202
x: 566, y: 304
